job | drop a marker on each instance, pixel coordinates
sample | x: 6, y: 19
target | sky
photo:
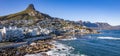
x: 85, y: 10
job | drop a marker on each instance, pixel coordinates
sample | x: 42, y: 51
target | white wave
x: 38, y: 54
x: 73, y: 38
x: 69, y: 38
x: 60, y: 50
x: 113, y: 38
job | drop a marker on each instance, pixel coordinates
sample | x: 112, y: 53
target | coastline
x: 47, y: 47
x: 59, y: 50
x: 34, y: 47
x: 44, y: 46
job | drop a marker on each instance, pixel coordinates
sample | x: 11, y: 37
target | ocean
x: 107, y: 43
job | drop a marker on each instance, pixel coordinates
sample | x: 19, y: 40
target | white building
x: 32, y: 32
x: 45, y: 31
x: 18, y: 33
x: 0, y: 36
x: 14, y: 33
x: 37, y: 31
x: 9, y: 33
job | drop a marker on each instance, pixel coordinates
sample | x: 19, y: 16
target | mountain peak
x: 30, y: 7
x: 29, y: 13
x: 31, y: 10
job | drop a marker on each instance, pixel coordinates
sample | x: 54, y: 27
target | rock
x: 44, y: 54
x: 63, y: 48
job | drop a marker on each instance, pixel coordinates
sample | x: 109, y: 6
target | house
x: 11, y: 33
x: 15, y: 33
x: 2, y: 34
x: 45, y: 31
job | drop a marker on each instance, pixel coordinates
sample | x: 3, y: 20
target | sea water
x: 107, y: 43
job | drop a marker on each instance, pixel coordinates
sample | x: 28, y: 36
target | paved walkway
x: 27, y: 41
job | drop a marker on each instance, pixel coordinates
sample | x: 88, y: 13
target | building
x: 14, y: 33
x: 2, y: 34
x: 11, y: 33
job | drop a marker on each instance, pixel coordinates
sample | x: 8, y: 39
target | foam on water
x: 38, y: 54
x: 69, y: 39
x: 60, y: 50
x: 112, y: 38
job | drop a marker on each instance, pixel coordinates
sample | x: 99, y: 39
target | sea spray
x: 111, y: 38
x: 62, y: 50
x: 59, y: 50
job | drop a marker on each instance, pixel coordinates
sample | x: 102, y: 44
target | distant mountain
x: 98, y: 25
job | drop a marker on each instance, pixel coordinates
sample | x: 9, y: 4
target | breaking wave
x: 60, y: 50
x: 111, y: 38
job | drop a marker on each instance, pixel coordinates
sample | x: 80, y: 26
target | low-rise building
x: 19, y: 33
x: 11, y: 33
x: 0, y: 36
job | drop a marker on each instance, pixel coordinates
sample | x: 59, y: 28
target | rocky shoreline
x: 34, y: 47
x: 59, y: 50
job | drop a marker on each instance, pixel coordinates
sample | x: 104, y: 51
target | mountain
x: 98, y: 25
x: 29, y: 13
x: 32, y: 18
